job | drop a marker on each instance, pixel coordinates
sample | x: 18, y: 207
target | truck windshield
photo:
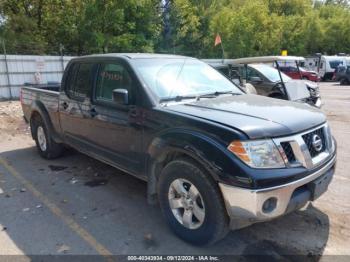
x: 271, y: 73
x: 182, y: 77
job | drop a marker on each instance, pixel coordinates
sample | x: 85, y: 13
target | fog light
x: 269, y: 205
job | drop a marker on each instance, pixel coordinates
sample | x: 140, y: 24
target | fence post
x: 62, y: 57
x: 6, y: 68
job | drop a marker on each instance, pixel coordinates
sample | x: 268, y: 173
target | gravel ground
x: 77, y: 205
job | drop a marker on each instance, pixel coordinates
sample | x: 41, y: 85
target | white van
x: 310, y: 63
x: 328, y: 64
x: 347, y: 59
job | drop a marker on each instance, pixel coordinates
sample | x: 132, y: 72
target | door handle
x: 133, y: 111
x: 93, y: 112
x: 65, y: 105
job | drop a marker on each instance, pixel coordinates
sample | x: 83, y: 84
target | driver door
x: 117, y: 130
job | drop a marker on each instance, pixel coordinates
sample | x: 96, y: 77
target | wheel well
x: 170, y: 156
x: 35, y: 116
x: 158, y: 166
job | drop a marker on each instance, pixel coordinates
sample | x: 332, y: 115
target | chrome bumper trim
x: 244, y: 206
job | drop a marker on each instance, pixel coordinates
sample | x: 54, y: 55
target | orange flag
x: 217, y: 40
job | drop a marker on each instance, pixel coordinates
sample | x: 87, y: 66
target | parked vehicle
x: 300, y: 73
x: 324, y: 65
x: 342, y: 74
x: 328, y: 64
x: 311, y: 63
x: 232, y: 75
x: 271, y: 82
x: 213, y: 156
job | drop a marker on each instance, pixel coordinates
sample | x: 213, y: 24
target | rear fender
x: 39, y: 108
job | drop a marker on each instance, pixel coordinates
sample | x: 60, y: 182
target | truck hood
x: 256, y: 116
x: 297, y: 89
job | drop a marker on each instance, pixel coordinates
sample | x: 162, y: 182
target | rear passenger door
x: 75, y: 104
x: 116, y: 130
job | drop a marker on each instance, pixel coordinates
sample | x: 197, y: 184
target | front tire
x: 192, y: 203
x: 46, y: 146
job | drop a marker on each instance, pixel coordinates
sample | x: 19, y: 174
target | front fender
x: 211, y: 154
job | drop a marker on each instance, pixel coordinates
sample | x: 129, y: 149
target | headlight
x: 314, y: 91
x: 258, y: 153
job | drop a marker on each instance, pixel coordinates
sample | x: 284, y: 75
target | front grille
x: 301, y: 149
x: 308, y: 141
x: 288, y: 151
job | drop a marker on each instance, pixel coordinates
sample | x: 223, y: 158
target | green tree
x: 189, y: 27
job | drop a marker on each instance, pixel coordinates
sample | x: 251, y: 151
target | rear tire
x: 344, y: 81
x: 46, y: 146
x: 206, y: 221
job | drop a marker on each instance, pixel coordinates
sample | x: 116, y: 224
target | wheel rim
x: 186, y: 203
x: 41, y: 138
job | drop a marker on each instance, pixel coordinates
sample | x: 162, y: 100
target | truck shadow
x: 117, y: 205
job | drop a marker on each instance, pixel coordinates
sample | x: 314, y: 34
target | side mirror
x: 256, y: 79
x: 121, y: 96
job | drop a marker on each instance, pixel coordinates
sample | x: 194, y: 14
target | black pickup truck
x: 214, y: 157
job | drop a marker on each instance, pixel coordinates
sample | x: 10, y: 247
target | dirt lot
x: 76, y: 205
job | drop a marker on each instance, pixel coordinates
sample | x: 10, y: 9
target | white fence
x: 15, y: 70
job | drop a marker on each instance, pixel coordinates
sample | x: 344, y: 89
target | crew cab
x: 213, y: 156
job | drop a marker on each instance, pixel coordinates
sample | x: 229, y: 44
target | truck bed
x: 41, y: 97
x: 50, y: 86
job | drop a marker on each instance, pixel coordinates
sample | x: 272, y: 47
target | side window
x: 252, y: 73
x: 238, y: 72
x: 83, y: 81
x: 71, y: 79
x: 80, y: 81
x: 225, y: 71
x: 348, y: 69
x: 110, y: 77
x: 284, y: 69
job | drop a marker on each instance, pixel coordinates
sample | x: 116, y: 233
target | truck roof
x: 266, y: 59
x: 251, y: 60
x: 134, y: 56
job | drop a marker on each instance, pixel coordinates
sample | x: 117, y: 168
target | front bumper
x: 245, y: 206
x: 317, y: 102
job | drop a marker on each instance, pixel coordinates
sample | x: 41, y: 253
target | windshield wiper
x: 197, y: 97
x: 177, y: 98
x: 215, y: 94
